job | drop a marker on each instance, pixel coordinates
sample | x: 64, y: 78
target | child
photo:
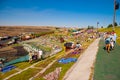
x: 112, y: 43
x: 107, y: 42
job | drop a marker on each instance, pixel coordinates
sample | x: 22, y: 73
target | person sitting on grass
x: 0, y: 68
x: 30, y: 56
x: 1, y: 64
x: 35, y: 56
x: 78, y: 46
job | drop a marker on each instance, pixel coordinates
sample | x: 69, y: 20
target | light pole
x: 97, y: 26
x: 114, y: 16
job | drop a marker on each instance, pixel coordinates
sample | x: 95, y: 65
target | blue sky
x: 61, y: 13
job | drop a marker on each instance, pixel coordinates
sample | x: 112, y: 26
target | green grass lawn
x: 4, y: 75
x: 22, y: 65
x: 45, y: 62
x: 25, y: 75
x: 107, y: 66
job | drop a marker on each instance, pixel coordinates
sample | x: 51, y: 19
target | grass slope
x: 25, y: 75
x: 107, y: 66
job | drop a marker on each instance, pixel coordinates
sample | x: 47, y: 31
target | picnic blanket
x: 7, y: 68
x: 67, y: 60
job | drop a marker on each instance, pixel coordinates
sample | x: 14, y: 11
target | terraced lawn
x: 25, y: 75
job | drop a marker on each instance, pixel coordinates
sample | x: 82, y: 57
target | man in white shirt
x: 40, y: 54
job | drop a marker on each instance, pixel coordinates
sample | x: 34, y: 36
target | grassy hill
x: 117, y: 30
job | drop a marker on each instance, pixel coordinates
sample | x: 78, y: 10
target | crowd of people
x: 110, y: 40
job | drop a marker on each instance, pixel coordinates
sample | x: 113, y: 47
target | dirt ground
x: 17, y: 30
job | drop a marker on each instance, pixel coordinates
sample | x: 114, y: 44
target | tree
x: 90, y: 27
x: 116, y: 24
x: 110, y: 25
x: 101, y: 26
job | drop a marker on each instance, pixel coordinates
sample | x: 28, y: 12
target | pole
x: 97, y: 26
x: 114, y: 16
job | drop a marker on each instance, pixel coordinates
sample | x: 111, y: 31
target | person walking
x: 107, y: 43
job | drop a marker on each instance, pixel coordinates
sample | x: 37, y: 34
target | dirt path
x: 82, y: 68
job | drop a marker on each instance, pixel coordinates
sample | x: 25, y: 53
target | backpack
x: 107, y: 41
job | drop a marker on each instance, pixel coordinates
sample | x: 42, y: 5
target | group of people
x: 35, y: 55
x: 110, y: 40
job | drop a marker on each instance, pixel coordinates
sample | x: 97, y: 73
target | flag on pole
x: 116, y: 5
x: 97, y: 22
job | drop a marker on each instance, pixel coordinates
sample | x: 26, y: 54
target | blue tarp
x: 21, y: 59
x: 67, y: 60
x: 7, y: 68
